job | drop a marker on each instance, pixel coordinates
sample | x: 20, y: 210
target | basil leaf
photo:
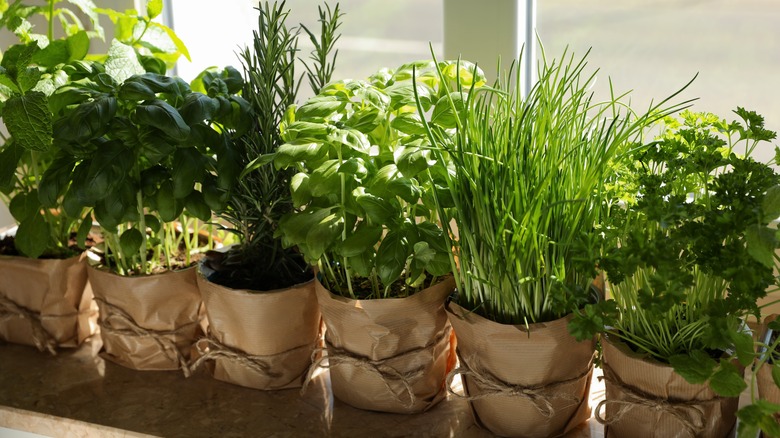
x: 164, y: 117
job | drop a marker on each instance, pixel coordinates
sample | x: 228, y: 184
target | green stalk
x: 50, y: 24
x: 142, y: 228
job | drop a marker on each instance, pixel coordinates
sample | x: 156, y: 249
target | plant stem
x: 142, y: 228
x: 50, y: 24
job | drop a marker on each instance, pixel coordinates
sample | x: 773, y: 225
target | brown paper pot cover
x: 55, y: 296
x: 405, y: 338
x: 277, y: 329
x: 657, y: 382
x: 147, y: 322
x: 508, y: 354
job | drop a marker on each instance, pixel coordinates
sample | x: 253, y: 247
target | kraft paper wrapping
x: 46, y: 303
x: 262, y: 340
x: 148, y: 322
x: 390, y: 354
x: 646, y: 398
x: 523, y: 381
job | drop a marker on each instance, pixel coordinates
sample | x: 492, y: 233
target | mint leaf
x: 55, y: 53
x: 728, y: 381
x: 28, y: 78
x: 90, y: 10
x: 153, y: 8
x: 29, y: 121
x: 7, y: 81
x: 695, y: 368
x: 32, y: 236
x: 122, y: 62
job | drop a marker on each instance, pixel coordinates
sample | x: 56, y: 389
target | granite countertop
x: 76, y: 393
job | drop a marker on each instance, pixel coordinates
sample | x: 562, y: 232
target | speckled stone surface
x: 77, y: 386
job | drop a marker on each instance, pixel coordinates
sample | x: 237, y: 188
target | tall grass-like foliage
x: 527, y: 185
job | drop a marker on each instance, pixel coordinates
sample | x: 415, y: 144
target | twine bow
x: 210, y: 348
x: 339, y: 356
x: 689, y: 413
x: 42, y: 339
x: 541, y: 396
x: 160, y: 337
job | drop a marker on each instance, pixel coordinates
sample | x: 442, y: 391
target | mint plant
x: 366, y: 180
x: 30, y: 73
x: 691, y: 251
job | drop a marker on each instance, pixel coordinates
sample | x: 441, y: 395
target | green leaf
x: 32, y: 236
x: 122, y: 62
x: 322, y: 235
x: 83, y: 232
x: 135, y: 91
x: 319, y: 107
x: 412, y: 160
x: 130, y: 241
x: 24, y: 205
x: 187, y: 170
x: 299, y: 189
x: 55, y: 179
x: 153, y: 8
x: 294, y: 227
x: 695, y: 368
x: 363, y: 239
x: 196, y: 206
x: 378, y: 211
x: 18, y: 57
x: 152, y: 223
x: 325, y: 179
x: 743, y: 343
x: 761, y: 244
x: 391, y: 257
x: 443, y: 114
x: 728, y: 381
x: 6, y: 81
x: 198, y: 108
x: 362, y: 264
x: 108, y: 169
x: 9, y: 158
x: 78, y: 46
x: 29, y: 121
x: 88, y: 121
x: 405, y: 188
x: 770, y: 205
x: 89, y: 9
x: 164, y: 117
x: 168, y: 206
x: 408, y: 123
x: 289, y: 153
x: 175, y: 39
x: 55, y: 53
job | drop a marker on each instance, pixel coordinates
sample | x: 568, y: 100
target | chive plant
x: 527, y: 184
x: 262, y: 194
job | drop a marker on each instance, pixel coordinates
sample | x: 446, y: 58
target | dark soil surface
x: 236, y: 270
x: 8, y: 248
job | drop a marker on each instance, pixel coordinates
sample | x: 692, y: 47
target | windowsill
x: 78, y: 394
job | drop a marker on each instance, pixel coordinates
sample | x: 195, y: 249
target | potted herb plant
x: 365, y: 182
x: 763, y: 412
x: 43, y: 296
x: 687, y: 257
x: 264, y: 322
x: 140, y: 153
x: 528, y: 174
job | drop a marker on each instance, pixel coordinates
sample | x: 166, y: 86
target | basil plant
x: 143, y: 155
x: 367, y: 180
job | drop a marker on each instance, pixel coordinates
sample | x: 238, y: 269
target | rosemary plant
x: 527, y: 185
x: 262, y: 195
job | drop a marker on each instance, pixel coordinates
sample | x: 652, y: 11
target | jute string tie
x: 160, y: 337
x: 42, y: 339
x: 541, y: 396
x: 337, y: 357
x: 209, y: 348
x: 688, y: 412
